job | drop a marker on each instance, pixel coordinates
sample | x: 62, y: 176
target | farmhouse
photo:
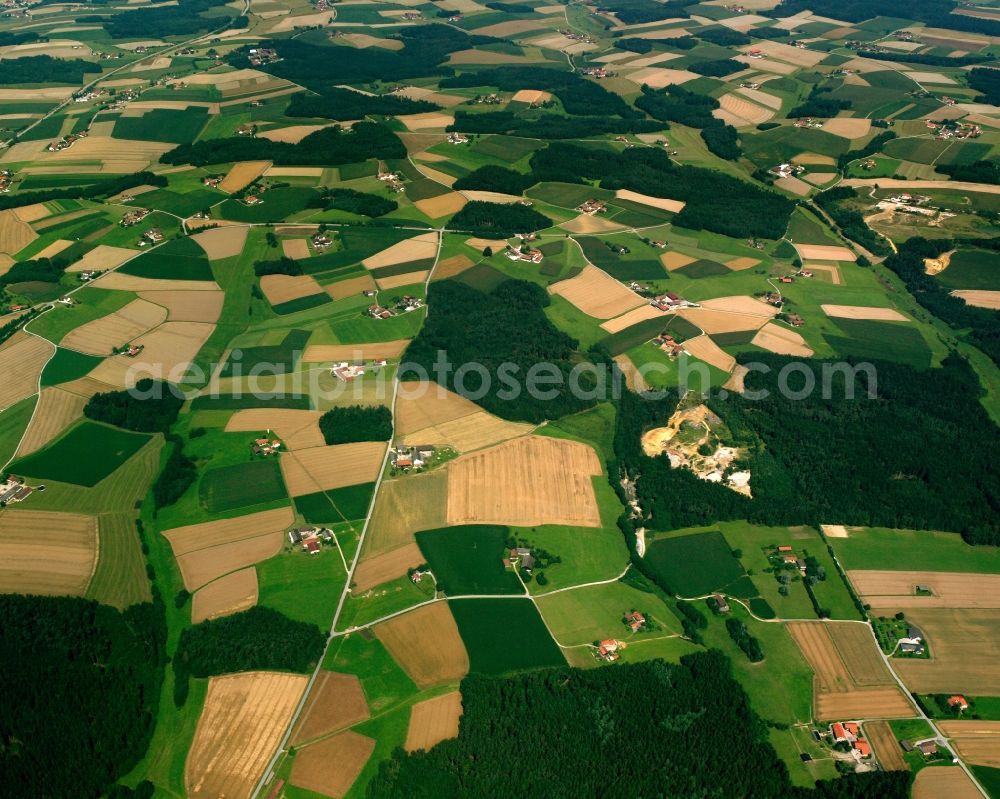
x: 635, y: 621
x: 265, y: 446
x: 321, y: 241
x: 720, y: 603
x: 928, y: 748
x: 132, y: 217
x: 958, y: 701
x: 525, y: 254
x: 376, y: 311
x: 347, y: 371
x: 592, y: 207
x: 154, y: 235
x: 457, y: 138
x: 608, y: 650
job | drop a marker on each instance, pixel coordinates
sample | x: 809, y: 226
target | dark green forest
x: 151, y: 407
x: 45, y: 69
x: 356, y: 423
x: 576, y: 734
x: 498, y: 219
x: 79, y: 689
x: 344, y: 104
x: 935, y: 13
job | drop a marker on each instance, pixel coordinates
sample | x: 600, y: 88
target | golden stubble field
x: 944, y: 783
x: 22, y: 358
x: 331, y: 766
x: 426, y: 644
x: 887, y: 748
x: 43, y: 552
x: 56, y: 410
x: 298, y: 429
x: 404, y: 506
x: 336, y: 701
x: 433, y: 720
x: 323, y: 468
x: 597, y: 294
x: 241, y: 725
x: 229, y: 594
x: 896, y: 590
x: 116, y: 329
x: 850, y: 678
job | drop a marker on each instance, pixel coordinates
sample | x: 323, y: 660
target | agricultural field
x: 467, y: 559
x: 504, y: 635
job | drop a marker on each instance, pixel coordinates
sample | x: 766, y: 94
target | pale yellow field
x: 408, y: 279
x: 530, y: 96
x: 433, y: 720
x: 862, y: 312
x: 742, y: 108
x: 241, y: 725
x: 491, y: 197
x: 675, y: 206
x: 103, y: 256
x: 207, y: 534
x: 292, y: 134
x: 15, y: 234
x: 795, y: 186
x: 741, y: 304
x: 285, y: 288
x: 323, y: 353
x: 297, y: 249
x: 446, y: 204
x: 404, y: 506
x: 450, y: 267
x: 896, y: 589
x: 42, y: 552
x: 506, y: 30
x: 786, y: 52
x: 169, y: 349
x: 56, y: 410
x: 887, y: 748
x: 426, y: 644
x: 53, y: 249
x: 712, y: 321
x: 935, y: 783
x: 848, y: 127
x: 222, y: 242
x: 633, y: 317
x: 977, y: 741
x: 230, y: 594
x: 115, y: 155
x: 741, y: 263
x: 298, y: 429
x: 431, y: 119
x: 335, y: 701
x: 242, y: 175
x: 486, y: 57
x: 331, y: 766
x: 323, y: 468
x: 703, y: 348
x: 781, y: 340
x: 761, y: 98
x: 102, y: 335
x: 418, y: 248
x: 188, y: 306
x: 675, y: 260
x: 659, y: 77
x: 524, y: 482
x: 437, y: 175
x: 373, y: 571
x: 22, y: 358
x: 824, y: 252
x: 32, y: 213
x: 597, y: 294
x: 980, y: 298
x: 204, y: 565
x: 350, y: 287
x: 363, y: 40
x: 585, y: 223
x: 120, y: 282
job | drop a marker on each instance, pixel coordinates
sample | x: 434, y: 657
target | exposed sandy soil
x: 169, y: 349
x: 934, y: 783
x: 418, y: 248
x: 712, y: 321
x: 22, y: 358
x: 379, y: 569
x: 323, y: 353
x: 56, y: 410
x: 887, y: 748
x: 335, y: 701
x: 430, y: 119
x: 408, y: 279
x: 433, y: 720
x: 222, y: 242
x: 781, y: 340
x: 405, y: 506
x: 450, y: 267
x: 242, y: 174
x: 585, y: 223
x: 675, y: 260
x: 229, y: 594
x: 980, y: 298
x: 48, y: 553
x: 102, y: 335
x: 896, y: 589
x: 241, y: 724
x: 597, y: 294
x: 632, y: 317
x: 332, y: 765
x: 426, y: 644
x: 703, y: 348
x: 675, y: 206
x: 527, y: 481
x: 445, y: 205
x: 862, y: 312
x: 15, y: 234
x: 323, y: 468
x: 298, y: 429
x: 350, y: 287
x: 297, y: 249
x: 285, y: 288
x: 121, y: 282
x: 188, y: 306
x: 834, y: 530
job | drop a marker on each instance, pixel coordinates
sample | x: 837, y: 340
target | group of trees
x: 151, y: 407
x: 356, y: 423
x: 677, y: 104
x: 79, y: 690
x: 177, y: 475
x: 874, y: 146
x: 45, y: 69
x: 326, y: 147
x: 747, y: 643
x: 186, y: 18
x: 358, y: 202
x: 256, y: 639
x: 498, y: 220
x: 341, y: 104
x: 479, y: 332
x: 281, y: 266
x: 495, y: 178
x: 818, y: 105
x: 934, y: 13
x: 100, y: 189
x: 536, y: 124
x: 39, y: 270
x: 986, y: 81
x: 694, y: 711
x: 977, y: 172
x: 851, y: 221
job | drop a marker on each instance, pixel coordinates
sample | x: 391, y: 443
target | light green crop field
x: 913, y: 550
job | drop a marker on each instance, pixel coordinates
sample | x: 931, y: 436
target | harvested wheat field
x: 980, y: 298
x: 204, y: 565
x: 675, y: 260
x: 530, y: 96
x: 433, y: 720
x: 115, y: 155
x: 296, y: 249
x: 48, y: 553
x: 741, y: 263
x: 585, y: 223
x: 102, y: 257
x: 242, y: 174
x: 56, y: 410
x: 704, y: 349
x: 298, y: 429
x: 659, y: 77
x: 862, y: 312
x: 335, y: 701
x: 374, y: 571
x: 15, y: 234
x: 437, y: 176
x: 597, y: 294
x: 936, y: 783
x: 450, y: 267
x: 675, y: 206
x: 351, y: 287
x: 416, y: 249
x: 323, y: 353
x: 407, y: 279
x: 824, y: 252
x: 782, y: 341
x: 761, y: 98
x: 712, y: 321
x: 444, y: 205
x: 976, y: 741
x: 406, y: 506
x: 896, y: 590
x: 964, y: 649
x: 794, y: 185
x: 121, y: 282
x: 528, y: 481
x: 467, y: 433
x: 432, y: 119
x: 222, y: 242
x: 332, y: 765
x: 169, y: 349
x: 363, y: 40
x: 207, y: 534
x: 887, y: 748
x: 633, y: 317
x: 285, y: 288
x: 103, y: 335
x: 497, y: 245
x: 22, y: 358
x: 821, y: 178
x: 53, y: 249
x: 323, y: 468
x: 491, y: 197
x: 86, y: 387
x: 508, y: 30
x: 242, y: 722
x: 229, y: 594
x: 32, y: 213
x: 828, y: 269
x: 850, y: 679
x: 744, y: 109
x: 848, y: 127
x: 422, y: 405
x: 292, y: 134
x: 426, y: 644
x: 188, y: 306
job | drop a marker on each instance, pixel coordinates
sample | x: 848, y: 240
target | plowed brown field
x: 332, y: 765
x: 335, y: 701
x: 433, y: 720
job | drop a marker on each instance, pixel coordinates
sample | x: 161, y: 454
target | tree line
x: 45, y: 69
x: 356, y: 423
x: 149, y: 408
